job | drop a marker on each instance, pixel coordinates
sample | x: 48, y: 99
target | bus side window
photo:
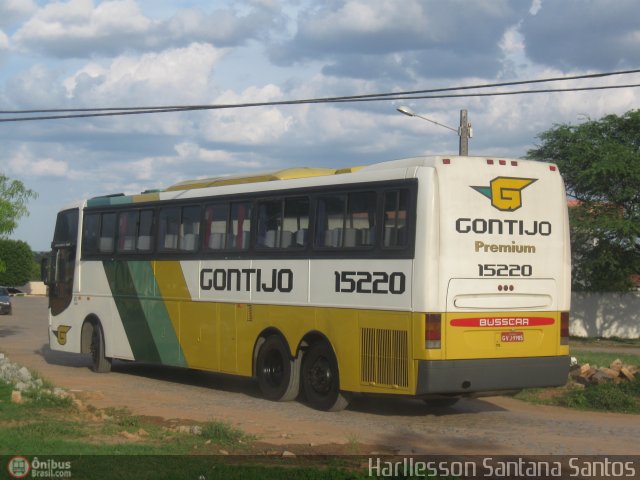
x: 143, y: 242
x: 90, y: 233
x: 107, y: 233
x: 269, y: 224
x: 330, y: 221
x: 127, y: 226
x: 168, y: 228
x: 361, y: 220
x: 395, y: 218
x: 296, y: 222
x: 283, y: 223
x: 239, y: 226
x: 215, y: 232
x: 347, y: 221
x: 190, y: 229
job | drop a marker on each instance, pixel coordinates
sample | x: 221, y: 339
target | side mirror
x: 44, y: 271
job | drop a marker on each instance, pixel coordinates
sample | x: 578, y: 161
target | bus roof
x: 286, y: 174
x: 301, y: 173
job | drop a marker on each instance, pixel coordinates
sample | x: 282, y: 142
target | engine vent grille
x: 384, y: 357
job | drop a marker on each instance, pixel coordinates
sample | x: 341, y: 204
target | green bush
x: 17, y: 258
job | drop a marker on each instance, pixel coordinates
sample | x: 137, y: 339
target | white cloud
x: 36, y: 87
x: 191, y: 151
x: 536, y: 5
x: 66, y: 28
x: 174, y: 75
x: 4, y: 41
x: 252, y: 126
x: 433, y: 38
x: 13, y: 10
x: 81, y: 29
x: 512, y: 42
x: 24, y: 163
x: 189, y: 156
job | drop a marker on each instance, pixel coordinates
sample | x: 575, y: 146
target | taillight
x: 433, y: 330
x: 564, y: 328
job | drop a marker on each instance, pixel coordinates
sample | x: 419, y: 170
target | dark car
x: 5, y: 301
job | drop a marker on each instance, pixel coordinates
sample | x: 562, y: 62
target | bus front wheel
x: 278, y: 373
x: 320, y: 379
x: 101, y: 363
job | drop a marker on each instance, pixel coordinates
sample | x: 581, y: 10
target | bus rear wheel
x: 100, y: 363
x: 278, y: 373
x: 321, y: 380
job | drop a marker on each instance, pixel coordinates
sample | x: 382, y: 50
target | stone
x: 16, y: 397
x: 24, y: 374
x: 21, y: 386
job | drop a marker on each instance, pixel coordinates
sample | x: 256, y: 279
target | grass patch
x: 93, y: 440
x: 222, y: 433
x: 608, y: 397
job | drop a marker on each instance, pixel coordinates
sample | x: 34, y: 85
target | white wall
x: 605, y: 315
x: 34, y: 288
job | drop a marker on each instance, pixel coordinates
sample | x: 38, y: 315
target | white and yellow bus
x: 434, y: 277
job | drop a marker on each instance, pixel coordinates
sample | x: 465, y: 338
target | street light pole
x: 464, y: 131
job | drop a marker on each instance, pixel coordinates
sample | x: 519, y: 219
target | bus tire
x: 321, y: 379
x: 278, y: 374
x: 100, y: 363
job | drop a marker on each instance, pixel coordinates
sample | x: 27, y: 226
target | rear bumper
x: 491, y: 374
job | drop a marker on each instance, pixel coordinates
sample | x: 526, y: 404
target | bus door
x: 58, y: 270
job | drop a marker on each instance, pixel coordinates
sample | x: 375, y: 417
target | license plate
x: 512, y: 337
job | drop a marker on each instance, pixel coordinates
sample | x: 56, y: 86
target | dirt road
x: 494, y: 425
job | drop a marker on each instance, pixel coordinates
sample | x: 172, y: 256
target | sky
x: 132, y: 53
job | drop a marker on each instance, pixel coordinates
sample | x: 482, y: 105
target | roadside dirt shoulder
x: 495, y: 425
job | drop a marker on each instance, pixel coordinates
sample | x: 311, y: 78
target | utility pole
x: 464, y: 132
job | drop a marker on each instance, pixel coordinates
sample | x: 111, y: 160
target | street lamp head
x: 406, y: 110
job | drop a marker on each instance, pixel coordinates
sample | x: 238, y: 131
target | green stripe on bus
x: 163, y: 332
x: 131, y: 312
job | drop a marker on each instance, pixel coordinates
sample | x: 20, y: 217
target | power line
x: 116, y: 111
x: 333, y: 99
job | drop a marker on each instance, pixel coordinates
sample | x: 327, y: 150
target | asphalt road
x: 489, y: 426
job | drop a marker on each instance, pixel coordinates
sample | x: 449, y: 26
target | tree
x: 600, y: 164
x: 18, y: 260
x: 13, y: 203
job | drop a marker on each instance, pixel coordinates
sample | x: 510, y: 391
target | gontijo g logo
x: 505, y: 192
